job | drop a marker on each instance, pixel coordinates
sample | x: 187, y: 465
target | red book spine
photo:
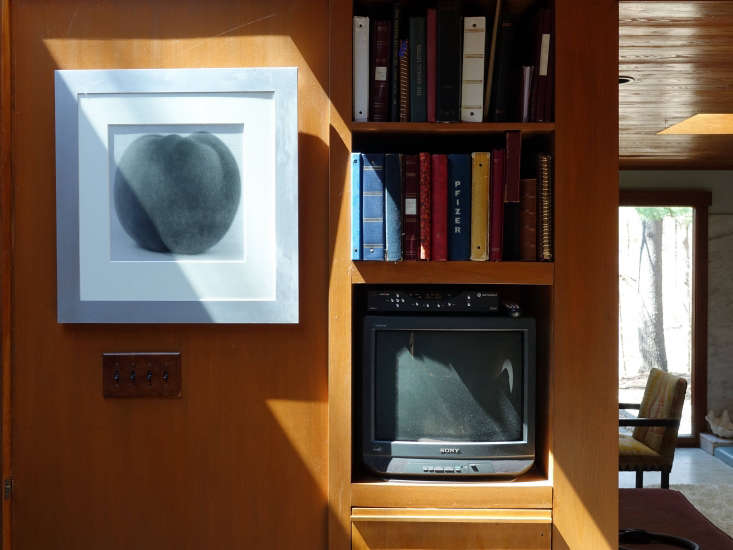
x: 380, y: 96
x: 440, y: 208
x: 430, y: 69
x: 513, y: 165
x: 425, y: 217
x: 496, y: 234
x: 410, y: 223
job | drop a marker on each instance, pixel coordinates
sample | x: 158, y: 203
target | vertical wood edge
x: 6, y: 243
x: 339, y: 330
x: 585, y: 294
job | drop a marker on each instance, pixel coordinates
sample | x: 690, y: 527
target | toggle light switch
x: 141, y: 375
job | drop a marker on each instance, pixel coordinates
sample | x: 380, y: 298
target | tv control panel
x: 433, y: 301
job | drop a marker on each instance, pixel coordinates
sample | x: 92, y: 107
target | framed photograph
x: 177, y: 195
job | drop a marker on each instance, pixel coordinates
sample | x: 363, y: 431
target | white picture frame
x: 177, y: 195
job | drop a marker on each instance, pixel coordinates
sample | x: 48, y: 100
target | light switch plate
x: 141, y: 375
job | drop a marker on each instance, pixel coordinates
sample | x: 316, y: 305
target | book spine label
x: 418, y: 97
x: 410, y: 224
x: 394, y: 81
x: 404, y: 81
x: 497, y: 204
x: 472, y: 86
x: 356, y: 206
x: 392, y: 206
x: 526, y: 87
x: 361, y: 69
x: 459, y: 207
x: 372, y: 206
x: 439, y: 199
x: 479, y: 206
x: 431, y: 47
x: 544, y: 207
x: 513, y: 165
x: 528, y: 219
x: 425, y: 204
x: 449, y: 63
x: 381, y: 42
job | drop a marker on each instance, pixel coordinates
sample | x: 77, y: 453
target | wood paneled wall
x: 240, y: 461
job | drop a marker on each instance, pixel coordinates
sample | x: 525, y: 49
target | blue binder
x: 459, y: 207
x: 392, y: 210
x: 356, y: 253
x: 372, y: 206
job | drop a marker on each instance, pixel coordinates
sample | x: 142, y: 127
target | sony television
x: 448, y: 396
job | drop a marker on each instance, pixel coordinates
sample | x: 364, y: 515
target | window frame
x: 700, y: 202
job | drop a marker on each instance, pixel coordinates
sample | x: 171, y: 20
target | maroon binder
x: 496, y: 234
x: 425, y: 204
x: 439, y: 200
x: 380, y: 54
x: 410, y: 223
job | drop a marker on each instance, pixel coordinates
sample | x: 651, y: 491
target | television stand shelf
x: 416, y: 272
x: 529, y: 491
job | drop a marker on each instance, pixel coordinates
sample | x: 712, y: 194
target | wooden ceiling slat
x: 681, y: 56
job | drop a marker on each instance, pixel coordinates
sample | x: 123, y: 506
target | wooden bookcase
x: 572, y: 489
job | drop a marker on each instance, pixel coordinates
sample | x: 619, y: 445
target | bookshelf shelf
x: 529, y: 491
x: 527, y: 128
x: 415, y: 272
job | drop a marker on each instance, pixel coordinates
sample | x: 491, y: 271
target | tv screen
x: 448, y: 395
x: 437, y: 385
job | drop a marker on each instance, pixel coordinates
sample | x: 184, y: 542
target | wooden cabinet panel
x: 438, y: 529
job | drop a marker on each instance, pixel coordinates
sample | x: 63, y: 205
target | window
x: 663, y: 296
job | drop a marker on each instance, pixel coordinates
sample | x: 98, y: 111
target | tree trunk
x: 651, y: 332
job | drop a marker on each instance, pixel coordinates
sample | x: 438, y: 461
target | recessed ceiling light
x: 624, y: 79
x: 702, y: 124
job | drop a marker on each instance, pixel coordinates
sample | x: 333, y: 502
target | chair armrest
x: 647, y: 422
x: 629, y: 405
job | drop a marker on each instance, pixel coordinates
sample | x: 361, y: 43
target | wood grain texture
x: 526, y: 273
x: 385, y: 529
x: 339, y: 298
x: 6, y: 258
x: 528, y: 492
x: 214, y: 468
x: 453, y: 515
x: 681, y: 56
x: 527, y: 128
x: 584, y: 373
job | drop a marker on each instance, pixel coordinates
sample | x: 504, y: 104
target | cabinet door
x: 439, y: 529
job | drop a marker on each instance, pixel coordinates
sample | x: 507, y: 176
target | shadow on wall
x: 240, y: 461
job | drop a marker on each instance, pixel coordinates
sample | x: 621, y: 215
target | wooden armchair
x: 651, y: 446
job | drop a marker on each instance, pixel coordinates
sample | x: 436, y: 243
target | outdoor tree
x: 649, y: 282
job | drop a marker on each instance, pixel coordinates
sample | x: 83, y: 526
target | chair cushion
x: 664, y: 396
x: 628, y: 446
x: 634, y: 455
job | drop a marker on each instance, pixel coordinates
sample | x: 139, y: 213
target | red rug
x: 669, y: 512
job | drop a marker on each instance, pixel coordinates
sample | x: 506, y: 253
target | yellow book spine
x: 480, y: 206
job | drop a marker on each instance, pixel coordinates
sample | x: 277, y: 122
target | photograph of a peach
x: 177, y: 193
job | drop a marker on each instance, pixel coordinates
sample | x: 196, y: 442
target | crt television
x: 448, y: 396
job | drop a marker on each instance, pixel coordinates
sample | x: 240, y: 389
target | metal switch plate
x: 141, y: 375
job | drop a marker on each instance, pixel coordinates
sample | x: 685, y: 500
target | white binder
x: 361, y: 69
x: 472, y: 88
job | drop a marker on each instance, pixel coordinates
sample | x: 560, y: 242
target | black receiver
x: 424, y: 300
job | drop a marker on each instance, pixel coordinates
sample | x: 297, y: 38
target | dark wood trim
x: 665, y: 197
x: 699, y: 201
x: 631, y: 163
x: 6, y: 265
